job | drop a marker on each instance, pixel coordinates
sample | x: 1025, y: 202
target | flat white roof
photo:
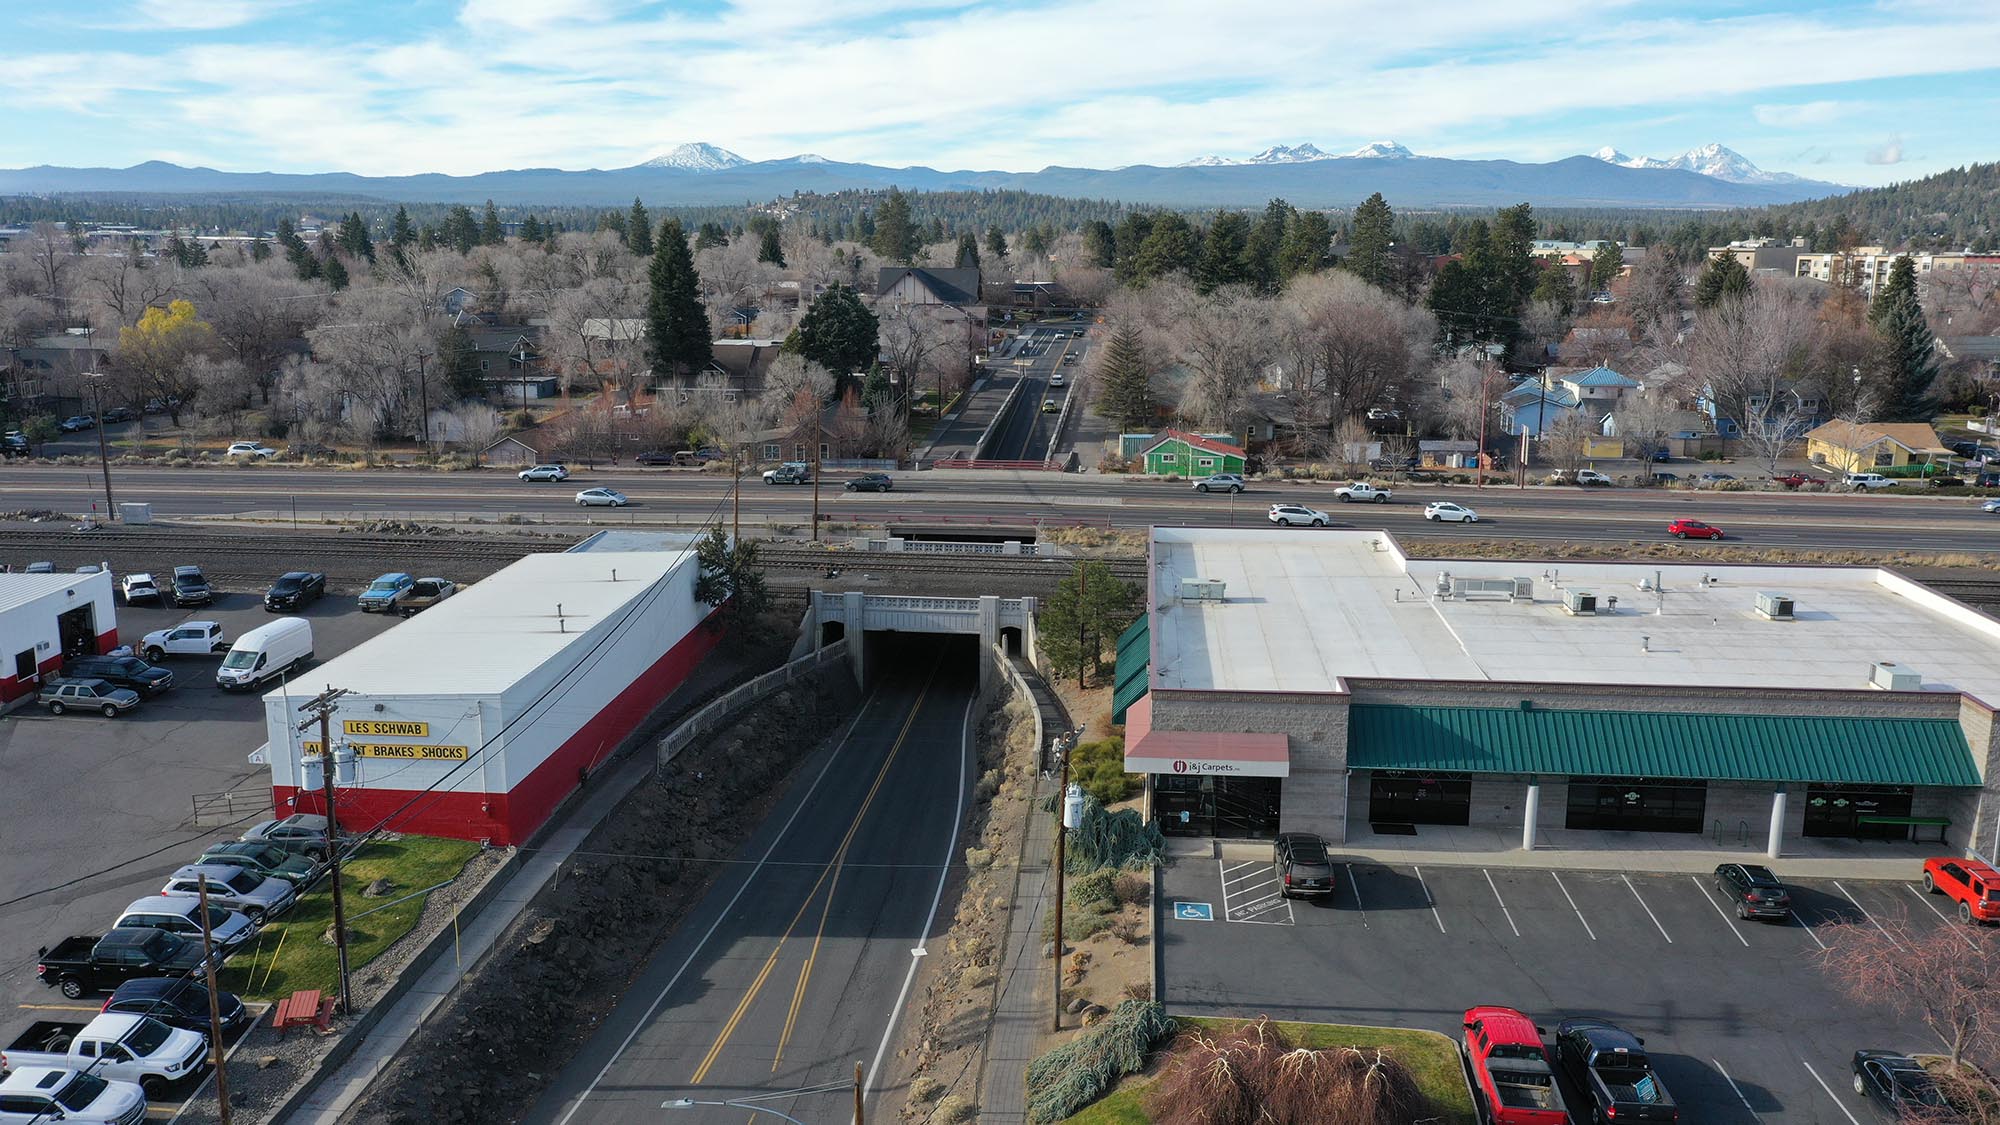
x: 17, y: 590
x: 1307, y: 609
x: 497, y: 631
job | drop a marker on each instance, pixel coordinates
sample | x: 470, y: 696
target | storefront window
x: 1637, y: 804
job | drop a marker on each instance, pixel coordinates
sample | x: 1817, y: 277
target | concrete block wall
x: 1315, y: 727
x: 1975, y: 815
x: 1501, y: 802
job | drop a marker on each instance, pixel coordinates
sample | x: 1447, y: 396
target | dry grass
x: 1105, y: 540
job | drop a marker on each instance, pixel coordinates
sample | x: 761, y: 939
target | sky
x: 1853, y: 91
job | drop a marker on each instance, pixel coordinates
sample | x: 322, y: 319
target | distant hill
x: 1949, y: 210
x: 702, y: 174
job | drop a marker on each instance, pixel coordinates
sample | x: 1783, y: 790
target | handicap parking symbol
x: 1194, y: 912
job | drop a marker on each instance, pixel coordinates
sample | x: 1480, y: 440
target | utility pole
x: 817, y: 447
x: 1485, y: 408
x: 1062, y: 841
x: 1082, y: 588
x: 735, y: 494
x: 424, y: 390
x: 857, y: 1095
x: 103, y: 455
x: 321, y: 708
x: 214, y: 1009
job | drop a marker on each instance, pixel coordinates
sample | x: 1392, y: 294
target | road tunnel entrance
x: 895, y: 655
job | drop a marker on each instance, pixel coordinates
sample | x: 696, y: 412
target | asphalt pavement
x: 799, y: 962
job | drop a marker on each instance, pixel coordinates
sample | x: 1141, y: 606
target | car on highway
x: 1990, y: 507
x: 1866, y: 482
x: 139, y: 587
x: 294, y: 589
x: 232, y: 888
x: 1301, y: 864
x: 87, y: 695
x: 191, y: 587
x: 255, y: 450
x: 189, y: 638
x: 1049, y: 406
x: 119, y: 671
x: 1363, y: 492
x: 601, y: 498
x: 1056, y: 379
x: 1220, y: 482
x: 1975, y: 886
x: 386, y: 592
x: 425, y: 593
x: 791, y: 472
x: 35, y: 1094
x: 181, y: 1003
x: 76, y: 423
x: 1289, y: 515
x: 300, y: 833
x: 1693, y: 529
x: 1512, y: 1078
x: 1899, y: 1086
x: 1755, y: 889
x: 870, y: 482
x: 549, y: 473
x: 1444, y: 511
x: 180, y: 915
x: 262, y: 859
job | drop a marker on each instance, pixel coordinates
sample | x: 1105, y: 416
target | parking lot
x: 1739, y: 1018
x: 95, y: 812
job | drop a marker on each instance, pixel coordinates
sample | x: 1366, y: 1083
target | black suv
x: 177, y: 1002
x: 1755, y: 890
x: 190, y: 588
x: 871, y: 482
x: 122, y: 671
x: 293, y: 590
x: 1303, y: 866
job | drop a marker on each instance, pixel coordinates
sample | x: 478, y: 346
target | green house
x: 1179, y: 453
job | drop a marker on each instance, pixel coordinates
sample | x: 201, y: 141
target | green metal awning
x: 1658, y: 744
x: 1135, y: 654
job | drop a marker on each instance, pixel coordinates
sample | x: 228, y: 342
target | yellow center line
x: 750, y: 995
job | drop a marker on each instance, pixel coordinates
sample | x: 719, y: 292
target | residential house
x: 510, y: 360
x: 1862, y: 447
x: 1597, y: 391
x: 1130, y: 446
x: 1533, y: 406
x: 458, y: 300
x: 736, y: 368
x: 957, y: 286
x: 1447, y: 454
x: 1982, y: 352
x: 1179, y: 453
x: 1687, y: 433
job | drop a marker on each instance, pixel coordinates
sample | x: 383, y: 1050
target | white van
x: 266, y: 652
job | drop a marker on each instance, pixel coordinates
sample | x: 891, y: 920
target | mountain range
x: 697, y: 174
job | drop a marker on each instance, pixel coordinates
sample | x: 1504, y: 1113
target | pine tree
x: 1221, y: 261
x: 1901, y: 282
x: 639, y: 230
x: 260, y: 250
x: 335, y: 274
x: 677, y: 329
x: 1126, y: 397
x: 427, y: 239
x: 1035, y: 240
x: 839, y: 333
x: 458, y: 363
x: 968, y: 252
x: 491, y: 233
x: 877, y: 393
x: 353, y: 236
x: 769, y: 249
x: 709, y: 236
x: 531, y: 229
x: 1605, y: 266
x: 1906, y: 359
x: 1172, y: 246
x: 936, y: 234
x: 1722, y: 278
x: 1261, y: 249
x: 1368, y: 242
x: 1555, y: 287
x: 461, y: 230
x: 1100, y: 243
x: 896, y: 238
x: 996, y: 244
x: 401, y: 234
x: 614, y: 221
x: 1308, y: 241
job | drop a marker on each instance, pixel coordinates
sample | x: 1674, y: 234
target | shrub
x: 1097, y: 890
x: 954, y: 1109
x: 1133, y: 888
x: 1083, y: 1069
x: 1112, y: 839
x: 1251, y: 1074
x: 924, y: 1088
x: 1100, y: 768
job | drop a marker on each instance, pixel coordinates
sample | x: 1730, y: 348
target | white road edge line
x: 1735, y: 1087
x: 1501, y: 901
x: 1573, y: 906
x: 1703, y: 891
x: 1856, y: 903
x: 1428, y: 897
x: 1829, y: 1090
x: 1942, y: 917
x: 741, y: 887
x: 1355, y: 888
x: 944, y: 873
x: 1647, y: 909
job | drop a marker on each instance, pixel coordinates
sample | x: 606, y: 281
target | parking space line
x: 1725, y: 921
x: 1501, y: 901
x: 1573, y: 906
x: 1801, y: 924
x: 1355, y: 886
x: 1735, y: 1087
x: 1262, y: 870
x: 1856, y: 903
x: 1942, y: 917
x: 1240, y: 866
x: 1428, y: 897
x: 1647, y: 909
x: 1246, y: 904
x: 1822, y: 1082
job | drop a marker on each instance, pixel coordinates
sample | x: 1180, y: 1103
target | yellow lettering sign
x: 392, y: 728
x: 398, y: 750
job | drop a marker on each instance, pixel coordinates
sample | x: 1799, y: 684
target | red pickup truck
x: 1968, y: 882
x: 1511, y: 1074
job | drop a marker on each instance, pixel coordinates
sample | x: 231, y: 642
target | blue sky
x: 1856, y: 91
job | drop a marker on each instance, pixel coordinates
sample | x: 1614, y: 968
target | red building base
x: 506, y: 819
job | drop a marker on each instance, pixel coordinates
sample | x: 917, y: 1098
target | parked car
x: 1945, y: 481
x: 76, y: 423
x: 551, y: 473
x: 1965, y: 449
x: 1288, y: 515
x: 1795, y: 480
x: 191, y: 587
x: 254, y: 450
x: 265, y: 653
x: 1711, y: 480
x: 1303, y: 867
x: 79, y: 966
x: 1392, y: 464
x: 1756, y: 890
x: 791, y: 472
x: 34, y: 1095
x: 1975, y: 886
x: 120, y: 671
x: 1986, y: 480
x: 871, y: 482
x: 1693, y: 529
x: 13, y: 443
x: 386, y: 592
x: 117, y: 1046
x: 1220, y: 482
x: 1444, y: 511
x: 189, y: 638
x: 601, y: 498
x: 300, y: 833
x: 138, y: 588
x: 181, y: 916
x: 1363, y: 492
x: 1866, y: 481
x: 262, y: 859
x: 233, y: 888
x: 40, y: 568
x: 1899, y: 1086
x: 1609, y: 1065
x: 425, y: 593
x: 1593, y: 478
x: 1512, y: 1078
x: 651, y: 457
x: 179, y: 1003
x: 87, y: 695
x: 293, y: 590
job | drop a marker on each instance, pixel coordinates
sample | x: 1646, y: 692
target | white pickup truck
x: 1361, y: 490
x: 35, y: 1094
x: 116, y: 1045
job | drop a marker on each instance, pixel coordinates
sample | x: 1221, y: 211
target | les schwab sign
x: 1193, y: 767
x: 398, y: 750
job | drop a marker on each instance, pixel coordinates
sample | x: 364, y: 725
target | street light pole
x: 103, y: 454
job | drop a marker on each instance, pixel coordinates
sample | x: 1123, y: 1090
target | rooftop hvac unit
x: 1201, y: 589
x: 1510, y: 588
x: 1579, y: 603
x: 1774, y: 607
x: 1890, y: 676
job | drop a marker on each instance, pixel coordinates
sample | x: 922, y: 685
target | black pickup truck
x: 82, y: 965
x: 1609, y: 1064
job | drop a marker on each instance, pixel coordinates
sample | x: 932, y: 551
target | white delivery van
x: 266, y: 652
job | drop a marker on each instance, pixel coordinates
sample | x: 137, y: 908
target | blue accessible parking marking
x: 1194, y: 912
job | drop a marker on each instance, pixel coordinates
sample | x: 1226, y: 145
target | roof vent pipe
x: 1645, y: 643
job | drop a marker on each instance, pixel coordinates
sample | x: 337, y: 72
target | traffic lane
x: 705, y: 1016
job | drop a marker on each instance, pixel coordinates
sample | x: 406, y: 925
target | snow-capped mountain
x: 1381, y: 150
x: 1712, y: 160
x: 1289, y: 154
x: 698, y: 157
x: 1303, y: 154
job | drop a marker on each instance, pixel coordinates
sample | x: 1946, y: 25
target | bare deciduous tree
x: 1347, y: 346
x: 790, y: 374
x: 1944, y: 975
x: 1751, y: 353
x: 1563, y: 442
x: 1223, y: 339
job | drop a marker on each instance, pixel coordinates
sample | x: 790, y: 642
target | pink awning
x: 1200, y: 752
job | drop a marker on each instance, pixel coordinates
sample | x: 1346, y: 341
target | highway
x: 798, y: 964
x: 1023, y: 435
x: 667, y: 497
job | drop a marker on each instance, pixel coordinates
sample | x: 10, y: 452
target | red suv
x: 1693, y: 529
x: 1511, y: 1075
x: 1968, y: 882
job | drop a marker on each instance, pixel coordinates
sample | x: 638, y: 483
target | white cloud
x: 1799, y: 115
x: 204, y: 15
x: 1888, y: 152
